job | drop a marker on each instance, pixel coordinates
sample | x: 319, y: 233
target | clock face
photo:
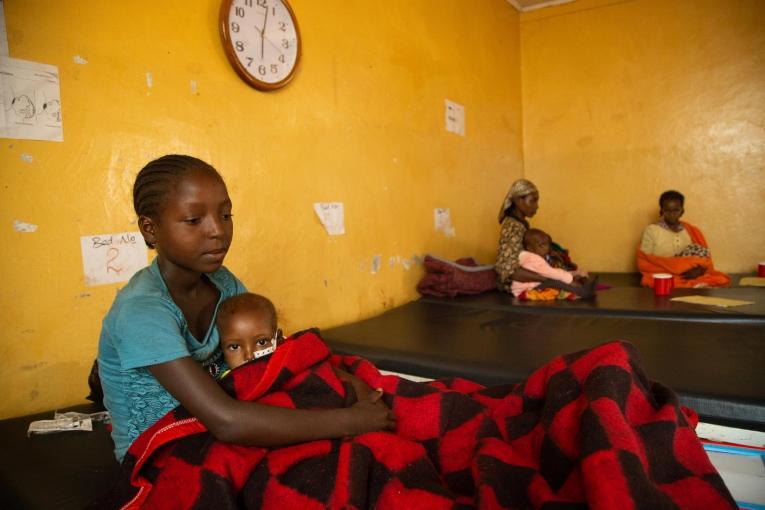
x: 261, y: 40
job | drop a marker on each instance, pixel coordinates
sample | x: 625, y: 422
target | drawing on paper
x: 52, y: 109
x: 31, y: 101
x: 23, y: 107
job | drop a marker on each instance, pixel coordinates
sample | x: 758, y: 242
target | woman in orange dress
x: 678, y: 248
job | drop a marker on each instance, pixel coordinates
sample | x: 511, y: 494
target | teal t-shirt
x: 144, y: 327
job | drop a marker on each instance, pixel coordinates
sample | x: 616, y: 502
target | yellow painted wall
x: 625, y: 99
x: 362, y: 123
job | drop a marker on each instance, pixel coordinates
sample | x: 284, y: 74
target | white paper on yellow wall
x: 443, y: 221
x: 3, y: 32
x: 30, y: 97
x: 111, y: 258
x: 332, y: 216
x: 454, y: 117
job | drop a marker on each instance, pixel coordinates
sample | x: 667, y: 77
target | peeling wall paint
x: 22, y: 226
x: 79, y: 60
x: 34, y: 366
x: 376, y: 262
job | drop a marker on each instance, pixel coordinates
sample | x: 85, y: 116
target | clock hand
x: 276, y: 47
x: 263, y: 33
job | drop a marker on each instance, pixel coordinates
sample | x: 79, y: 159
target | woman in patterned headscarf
x: 521, y: 202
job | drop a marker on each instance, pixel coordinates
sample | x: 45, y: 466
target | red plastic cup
x: 761, y: 269
x: 663, y: 284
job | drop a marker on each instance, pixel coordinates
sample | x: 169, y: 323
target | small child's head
x: 184, y: 212
x: 537, y: 241
x: 246, y: 325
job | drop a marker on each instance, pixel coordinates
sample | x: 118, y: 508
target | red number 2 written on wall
x: 111, y: 255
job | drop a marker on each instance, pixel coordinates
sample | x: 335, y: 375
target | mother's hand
x: 693, y: 272
x: 370, y: 414
x: 362, y: 389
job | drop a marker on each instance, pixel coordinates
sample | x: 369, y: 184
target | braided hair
x: 159, y: 178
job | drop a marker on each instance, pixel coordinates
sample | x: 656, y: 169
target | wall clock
x: 261, y: 41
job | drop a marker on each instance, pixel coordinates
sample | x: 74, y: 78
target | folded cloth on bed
x: 587, y: 429
x: 444, y: 278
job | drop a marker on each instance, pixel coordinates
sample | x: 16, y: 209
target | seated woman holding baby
x: 529, y: 264
x: 678, y: 248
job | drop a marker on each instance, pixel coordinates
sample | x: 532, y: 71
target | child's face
x: 539, y: 244
x: 243, y: 334
x: 193, y: 230
x: 671, y: 212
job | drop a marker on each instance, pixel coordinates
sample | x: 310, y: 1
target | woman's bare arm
x: 248, y: 423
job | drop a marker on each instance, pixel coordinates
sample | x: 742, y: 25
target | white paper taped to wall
x: 332, y: 216
x: 454, y: 117
x: 30, y: 98
x: 443, y: 221
x: 3, y: 32
x: 111, y: 258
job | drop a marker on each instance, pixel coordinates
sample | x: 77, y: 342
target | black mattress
x: 66, y: 471
x: 714, y: 358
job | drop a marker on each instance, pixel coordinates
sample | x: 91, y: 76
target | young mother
x: 521, y: 202
x: 678, y: 248
x: 159, y: 344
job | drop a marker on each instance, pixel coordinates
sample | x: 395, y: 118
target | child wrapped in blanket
x: 247, y: 327
x: 559, y: 283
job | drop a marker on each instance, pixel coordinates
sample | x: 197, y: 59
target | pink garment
x: 534, y: 262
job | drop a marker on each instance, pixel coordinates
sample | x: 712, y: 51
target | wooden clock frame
x: 228, y: 48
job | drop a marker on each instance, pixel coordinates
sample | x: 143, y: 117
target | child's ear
x: 146, y: 227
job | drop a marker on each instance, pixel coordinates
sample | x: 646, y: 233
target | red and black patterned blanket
x: 586, y: 430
